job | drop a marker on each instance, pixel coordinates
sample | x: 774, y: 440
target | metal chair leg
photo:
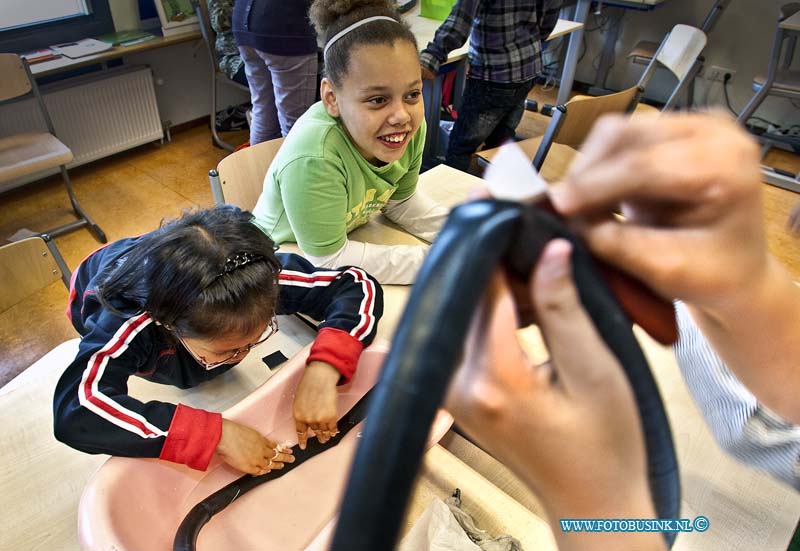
x: 83, y: 218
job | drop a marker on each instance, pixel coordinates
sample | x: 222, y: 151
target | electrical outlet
x: 716, y: 73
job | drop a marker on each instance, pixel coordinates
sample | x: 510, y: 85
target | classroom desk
x: 62, y: 64
x: 42, y: 480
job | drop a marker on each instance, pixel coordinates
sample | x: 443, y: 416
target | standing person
x: 359, y: 150
x: 230, y: 62
x: 279, y: 49
x: 183, y: 305
x: 505, y: 56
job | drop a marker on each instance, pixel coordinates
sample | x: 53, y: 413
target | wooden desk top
x: 64, y: 63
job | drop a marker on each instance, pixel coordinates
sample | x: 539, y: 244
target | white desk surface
x: 792, y: 23
x: 41, y: 480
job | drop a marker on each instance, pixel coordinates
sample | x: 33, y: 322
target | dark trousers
x: 489, y: 113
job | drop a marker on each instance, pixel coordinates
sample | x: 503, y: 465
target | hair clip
x: 235, y: 262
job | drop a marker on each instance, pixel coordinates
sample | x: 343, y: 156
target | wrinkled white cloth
x: 445, y: 527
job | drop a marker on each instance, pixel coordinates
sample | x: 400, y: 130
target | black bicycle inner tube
x: 428, y: 345
x: 200, y: 514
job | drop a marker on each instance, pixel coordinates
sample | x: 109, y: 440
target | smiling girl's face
x: 379, y: 100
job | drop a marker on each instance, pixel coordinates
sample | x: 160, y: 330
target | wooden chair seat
x: 30, y: 152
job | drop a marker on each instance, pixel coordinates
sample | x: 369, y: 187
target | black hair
x: 178, y: 275
x: 331, y: 16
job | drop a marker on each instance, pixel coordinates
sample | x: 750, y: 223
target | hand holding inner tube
x: 246, y: 450
x: 569, y: 428
x: 315, y: 403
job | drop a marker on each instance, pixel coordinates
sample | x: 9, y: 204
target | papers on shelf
x: 81, y: 48
x: 37, y: 56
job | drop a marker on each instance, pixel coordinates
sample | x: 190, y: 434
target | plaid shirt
x: 505, y: 37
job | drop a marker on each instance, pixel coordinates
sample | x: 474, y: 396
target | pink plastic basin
x: 137, y: 504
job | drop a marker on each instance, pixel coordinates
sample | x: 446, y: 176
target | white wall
x: 741, y: 39
x: 183, y: 82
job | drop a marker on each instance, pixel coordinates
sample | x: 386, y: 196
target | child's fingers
x: 302, y: 434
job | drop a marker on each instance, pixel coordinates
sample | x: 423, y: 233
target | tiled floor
x: 132, y: 192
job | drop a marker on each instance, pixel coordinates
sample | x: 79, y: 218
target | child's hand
x: 315, y: 403
x: 246, y: 450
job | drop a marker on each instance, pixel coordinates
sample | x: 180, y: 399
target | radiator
x: 95, y: 115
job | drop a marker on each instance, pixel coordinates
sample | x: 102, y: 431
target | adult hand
x: 427, y: 74
x: 689, y: 187
x: 568, y: 428
x: 315, y: 403
x: 248, y: 451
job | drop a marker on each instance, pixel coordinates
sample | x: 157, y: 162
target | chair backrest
x: 28, y: 266
x: 15, y: 81
x: 580, y: 114
x: 209, y: 36
x: 680, y: 49
x: 240, y: 175
x: 572, y: 121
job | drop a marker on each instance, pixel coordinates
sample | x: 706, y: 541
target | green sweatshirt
x: 319, y: 187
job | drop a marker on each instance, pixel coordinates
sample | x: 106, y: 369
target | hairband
x: 235, y: 262
x: 355, y: 25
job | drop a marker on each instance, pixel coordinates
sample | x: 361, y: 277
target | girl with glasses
x: 184, y: 304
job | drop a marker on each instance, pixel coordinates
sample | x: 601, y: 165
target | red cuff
x: 337, y: 348
x: 192, y: 437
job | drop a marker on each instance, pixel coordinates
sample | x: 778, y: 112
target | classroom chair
x: 217, y: 76
x: 239, y: 177
x: 27, y: 266
x: 780, y: 80
x: 573, y: 120
x: 644, y: 50
x: 570, y: 124
x: 32, y: 152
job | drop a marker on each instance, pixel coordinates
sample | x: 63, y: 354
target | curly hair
x: 331, y: 16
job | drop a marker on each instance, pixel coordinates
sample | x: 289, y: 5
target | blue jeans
x: 489, y: 113
x: 281, y: 88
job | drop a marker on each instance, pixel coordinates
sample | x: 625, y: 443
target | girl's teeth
x: 396, y: 138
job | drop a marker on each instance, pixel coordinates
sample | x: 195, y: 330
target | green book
x: 126, y: 38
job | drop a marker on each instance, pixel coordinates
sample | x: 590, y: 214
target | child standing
x: 184, y: 304
x: 279, y: 49
x: 359, y: 150
x: 505, y: 56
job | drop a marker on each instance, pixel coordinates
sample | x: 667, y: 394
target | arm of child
x: 93, y: 412
x: 690, y: 189
x: 451, y: 34
x: 418, y: 214
x: 350, y: 303
x: 391, y: 264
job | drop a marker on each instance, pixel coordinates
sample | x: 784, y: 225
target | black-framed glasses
x: 271, y: 329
